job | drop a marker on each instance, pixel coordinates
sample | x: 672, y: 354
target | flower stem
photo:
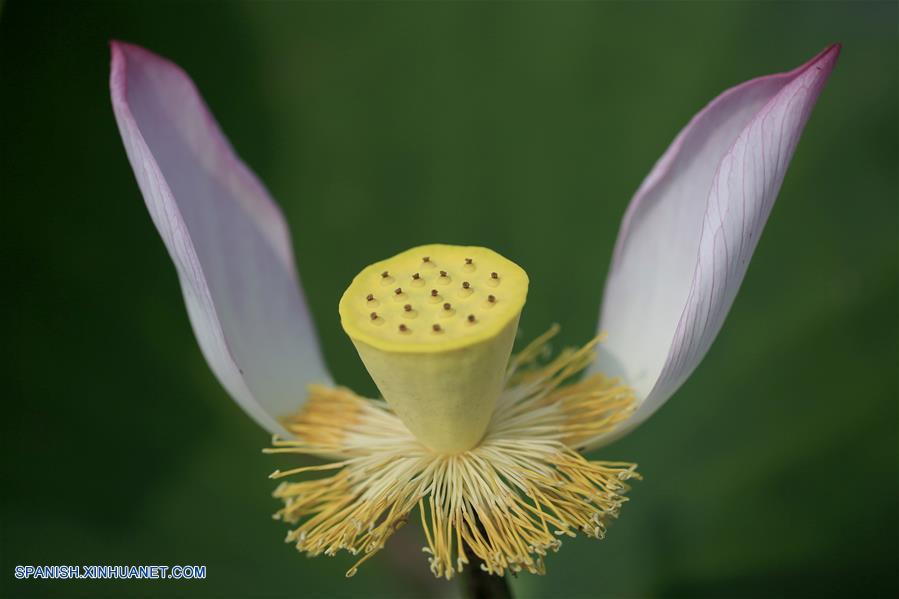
x: 481, y: 585
x: 478, y: 583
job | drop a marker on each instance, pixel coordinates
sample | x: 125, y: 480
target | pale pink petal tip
x: 227, y: 238
x: 690, y: 230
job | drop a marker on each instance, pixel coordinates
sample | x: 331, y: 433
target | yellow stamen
x: 507, y: 500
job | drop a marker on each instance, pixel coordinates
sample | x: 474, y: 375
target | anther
x: 407, y: 307
x: 471, y: 318
x: 374, y: 315
x: 466, y: 285
x: 398, y: 290
x: 385, y: 274
x: 433, y: 293
x: 491, y: 298
x: 493, y: 275
x: 370, y: 297
x: 447, y: 306
x: 436, y: 328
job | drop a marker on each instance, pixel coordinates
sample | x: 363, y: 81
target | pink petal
x: 689, y: 232
x: 227, y: 238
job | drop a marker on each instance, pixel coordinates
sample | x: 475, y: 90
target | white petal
x: 689, y: 232
x: 227, y: 238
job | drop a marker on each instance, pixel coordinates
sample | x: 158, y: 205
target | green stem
x: 478, y: 583
x: 481, y: 585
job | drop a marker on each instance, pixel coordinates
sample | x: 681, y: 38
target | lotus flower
x: 486, y: 447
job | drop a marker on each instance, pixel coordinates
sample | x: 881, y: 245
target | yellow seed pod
x: 434, y: 326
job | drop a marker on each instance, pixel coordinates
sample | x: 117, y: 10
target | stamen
x: 524, y: 483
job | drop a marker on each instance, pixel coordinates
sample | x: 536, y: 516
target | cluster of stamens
x: 505, y: 503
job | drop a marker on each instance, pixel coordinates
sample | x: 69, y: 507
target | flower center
x: 434, y: 326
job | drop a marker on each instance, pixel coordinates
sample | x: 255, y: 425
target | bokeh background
x: 379, y: 126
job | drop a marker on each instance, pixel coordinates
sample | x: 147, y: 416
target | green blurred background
x: 379, y: 126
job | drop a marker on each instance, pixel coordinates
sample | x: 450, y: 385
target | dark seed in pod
x: 433, y: 293
x: 374, y: 315
x: 436, y: 327
x: 471, y: 318
x: 398, y: 290
x: 447, y: 306
x: 407, y: 307
x: 370, y: 297
x: 466, y: 285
